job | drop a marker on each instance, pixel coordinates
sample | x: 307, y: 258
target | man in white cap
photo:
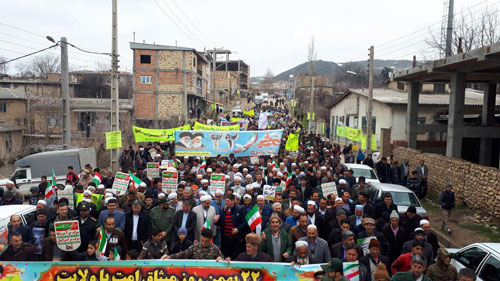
x: 206, y: 216
x: 204, y: 186
x: 317, y: 247
x: 236, y: 185
x: 293, y: 219
x: 430, y: 237
x: 174, y: 202
x: 301, y: 255
x: 13, y: 190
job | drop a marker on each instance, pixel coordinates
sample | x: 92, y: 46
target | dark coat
x: 338, y: 251
x: 87, y: 232
x: 385, y: 247
x: 190, y: 224
x: 383, y: 171
x: 380, y: 208
x: 26, y: 253
x: 396, y: 242
x: 366, y: 261
x: 144, y: 226
x: 238, y: 214
x: 261, y: 257
x: 409, y: 224
x: 25, y: 232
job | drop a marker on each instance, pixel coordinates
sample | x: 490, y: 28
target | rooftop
x: 391, y: 96
x: 144, y: 46
x: 10, y: 94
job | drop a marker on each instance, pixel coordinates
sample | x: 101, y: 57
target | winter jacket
x: 267, y: 244
x: 440, y: 271
x: 447, y: 200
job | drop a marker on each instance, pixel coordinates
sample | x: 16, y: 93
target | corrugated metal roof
x: 144, y: 46
x: 6, y: 93
x: 391, y: 96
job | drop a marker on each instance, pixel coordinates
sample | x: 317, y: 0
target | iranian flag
x: 289, y: 179
x: 116, y: 255
x: 135, y: 180
x: 103, y: 240
x: 253, y: 218
x: 52, y: 189
x: 206, y: 225
x: 97, y: 179
x: 274, y: 165
x: 202, y: 166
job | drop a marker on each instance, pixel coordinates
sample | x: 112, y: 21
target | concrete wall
x: 475, y: 185
x: 16, y: 148
x: 15, y: 113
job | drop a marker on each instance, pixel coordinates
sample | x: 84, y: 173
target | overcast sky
x: 266, y: 34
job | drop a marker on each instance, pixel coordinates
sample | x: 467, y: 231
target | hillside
x: 321, y: 67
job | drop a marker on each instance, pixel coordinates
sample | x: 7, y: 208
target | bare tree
x: 311, y: 57
x: 473, y: 29
x: 267, y: 82
x: 4, y: 67
x: 39, y: 66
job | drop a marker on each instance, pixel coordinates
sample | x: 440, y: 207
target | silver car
x: 483, y: 258
x: 401, y: 196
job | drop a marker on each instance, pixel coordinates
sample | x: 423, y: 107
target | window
x: 471, y: 257
x: 146, y: 59
x: 355, y: 122
x: 145, y: 79
x: 194, y: 61
x: 491, y: 270
x: 401, y: 86
x: 421, y: 121
x: 53, y: 121
x: 374, y: 123
x: 19, y: 175
x: 367, y: 173
x: 439, y: 88
x: 372, y: 193
x: 8, y: 141
x: 405, y: 199
x: 347, y: 120
x: 3, y: 107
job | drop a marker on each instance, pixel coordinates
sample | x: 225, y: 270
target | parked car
x: 31, y: 168
x: 363, y: 170
x: 483, y: 258
x: 26, y: 212
x: 401, y: 196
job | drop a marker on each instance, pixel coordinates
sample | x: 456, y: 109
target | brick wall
x: 16, y: 111
x: 144, y: 106
x: 475, y: 185
x: 170, y: 81
x: 137, y: 59
x: 169, y: 105
x: 145, y: 87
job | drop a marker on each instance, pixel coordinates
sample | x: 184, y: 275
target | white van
x: 31, y: 168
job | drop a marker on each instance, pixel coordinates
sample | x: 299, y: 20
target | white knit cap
x: 260, y: 196
x: 101, y: 186
x: 219, y: 192
x: 143, y: 184
x: 172, y: 195
x: 238, y: 196
x: 342, y: 181
x: 249, y: 187
x: 43, y: 202
x: 312, y: 226
x: 88, y: 192
x: 422, y: 222
x: 310, y: 202
x: 204, y: 181
x: 237, y: 178
x: 247, y: 196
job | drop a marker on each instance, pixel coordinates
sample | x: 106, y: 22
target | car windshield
x: 405, y: 199
x: 368, y: 174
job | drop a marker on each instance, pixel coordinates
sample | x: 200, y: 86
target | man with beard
x: 196, y: 141
x: 205, y: 215
x: 184, y: 140
x: 418, y: 265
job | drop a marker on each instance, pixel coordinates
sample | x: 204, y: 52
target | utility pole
x: 449, y: 29
x: 311, y: 103
x: 370, y: 105
x: 115, y: 119
x: 65, y: 93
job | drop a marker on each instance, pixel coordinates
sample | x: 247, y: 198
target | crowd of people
x: 299, y: 226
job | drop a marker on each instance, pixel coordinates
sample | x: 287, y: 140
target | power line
x: 27, y: 55
x: 194, y: 25
x: 20, y: 29
x: 185, y: 26
x: 174, y: 22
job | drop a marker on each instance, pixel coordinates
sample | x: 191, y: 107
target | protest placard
x: 120, y: 184
x: 364, y: 243
x: 351, y: 270
x: 153, y: 170
x: 218, y: 182
x: 67, y: 235
x: 68, y: 194
x: 169, y: 180
x: 113, y: 139
x: 269, y: 192
x: 329, y: 188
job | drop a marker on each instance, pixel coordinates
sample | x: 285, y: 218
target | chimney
x: 414, y: 63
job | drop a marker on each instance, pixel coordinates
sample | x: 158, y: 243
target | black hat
x: 361, y: 179
x: 8, y: 195
x: 83, y: 206
x: 185, y: 134
x: 42, y: 212
x: 276, y: 180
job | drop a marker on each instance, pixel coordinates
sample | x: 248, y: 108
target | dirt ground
x: 460, y: 236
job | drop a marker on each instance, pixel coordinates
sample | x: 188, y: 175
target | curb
x: 443, y: 240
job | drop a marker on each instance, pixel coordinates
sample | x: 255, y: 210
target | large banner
x: 152, y: 135
x: 213, y: 143
x: 157, y: 270
x: 202, y: 127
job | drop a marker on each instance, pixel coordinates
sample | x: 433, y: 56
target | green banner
x: 147, y: 135
x: 203, y: 127
x: 349, y: 133
x: 113, y: 139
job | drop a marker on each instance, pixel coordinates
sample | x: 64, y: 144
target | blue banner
x: 213, y: 143
x: 156, y: 270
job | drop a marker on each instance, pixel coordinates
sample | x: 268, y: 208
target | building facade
x: 169, y: 83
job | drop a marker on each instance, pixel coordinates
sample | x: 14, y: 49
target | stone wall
x: 475, y: 185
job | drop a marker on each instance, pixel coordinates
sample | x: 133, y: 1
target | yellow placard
x: 292, y: 144
x: 363, y: 142
x: 308, y: 115
x: 233, y: 119
x: 203, y: 127
x: 147, y: 135
x: 113, y: 139
x: 249, y: 113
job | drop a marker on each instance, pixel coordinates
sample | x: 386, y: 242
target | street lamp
x: 354, y: 73
x: 50, y: 39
